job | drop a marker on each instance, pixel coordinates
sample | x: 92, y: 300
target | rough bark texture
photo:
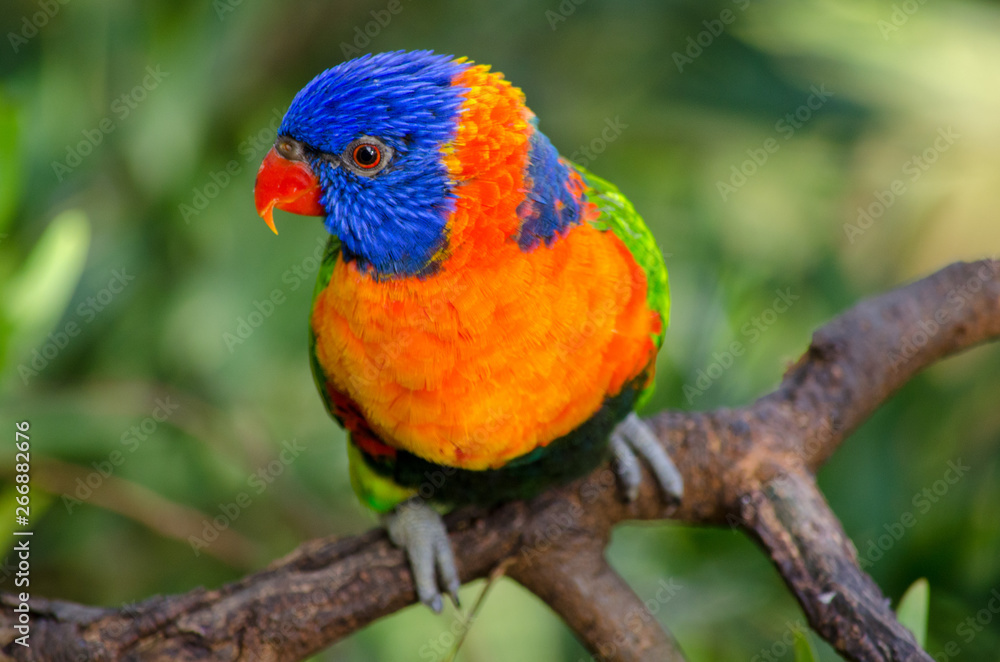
x: 751, y: 467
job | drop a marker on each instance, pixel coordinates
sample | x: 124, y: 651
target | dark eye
x: 367, y: 156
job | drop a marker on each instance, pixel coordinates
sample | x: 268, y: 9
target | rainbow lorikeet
x: 487, y: 315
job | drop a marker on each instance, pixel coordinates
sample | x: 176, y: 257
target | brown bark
x: 752, y: 467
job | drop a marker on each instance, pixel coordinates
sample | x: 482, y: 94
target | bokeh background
x: 153, y: 331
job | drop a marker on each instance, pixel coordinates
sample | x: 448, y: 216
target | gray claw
x: 632, y: 437
x: 446, y: 567
x: 626, y: 466
x: 418, y: 529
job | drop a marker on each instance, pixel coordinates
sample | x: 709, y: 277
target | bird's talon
x: 418, y: 529
x: 626, y: 465
x: 631, y: 438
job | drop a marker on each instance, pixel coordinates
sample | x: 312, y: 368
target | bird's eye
x: 367, y: 156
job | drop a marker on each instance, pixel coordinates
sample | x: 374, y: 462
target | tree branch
x: 751, y: 466
x: 564, y: 565
x: 792, y: 521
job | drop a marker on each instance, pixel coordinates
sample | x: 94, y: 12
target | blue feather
x: 394, y: 222
x: 542, y: 217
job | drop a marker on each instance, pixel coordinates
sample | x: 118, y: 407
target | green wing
x: 330, y: 255
x: 619, y: 216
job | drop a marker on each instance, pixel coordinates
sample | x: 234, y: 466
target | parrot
x: 487, y: 314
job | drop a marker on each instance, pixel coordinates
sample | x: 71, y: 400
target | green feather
x: 377, y: 491
x: 330, y: 255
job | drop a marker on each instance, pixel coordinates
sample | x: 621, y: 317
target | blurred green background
x: 153, y: 330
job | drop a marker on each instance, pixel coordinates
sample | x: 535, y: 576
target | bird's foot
x: 418, y: 529
x: 632, y: 438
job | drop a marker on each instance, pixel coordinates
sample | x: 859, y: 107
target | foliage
x: 912, y: 609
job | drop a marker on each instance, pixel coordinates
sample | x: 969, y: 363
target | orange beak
x: 288, y: 185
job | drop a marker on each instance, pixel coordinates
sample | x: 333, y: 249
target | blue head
x: 372, y: 131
